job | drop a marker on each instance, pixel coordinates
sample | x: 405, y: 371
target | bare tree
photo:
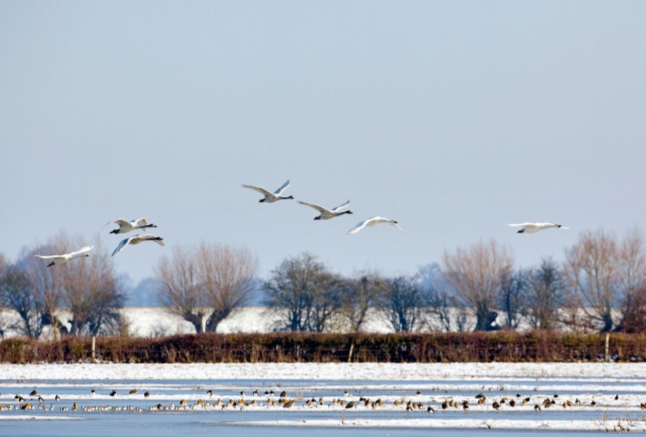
x: 401, y: 303
x: 602, y: 272
x: 512, y: 297
x: 360, y: 295
x: 228, y: 278
x: 180, y: 287
x: 474, y: 275
x: 16, y: 293
x: 305, y: 292
x: 90, y: 289
x: 545, y: 295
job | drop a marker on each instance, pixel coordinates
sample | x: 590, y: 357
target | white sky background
x: 452, y: 117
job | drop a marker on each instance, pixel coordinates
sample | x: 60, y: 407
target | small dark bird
x: 33, y: 393
x: 496, y: 405
x: 480, y: 396
x: 445, y: 405
x: 75, y: 406
x: 146, y: 394
x: 512, y: 403
x: 419, y: 392
x: 255, y: 392
x: 210, y: 393
x: 93, y: 391
x: 517, y: 395
x: 430, y: 410
x: 133, y: 391
x: 114, y: 392
x: 537, y: 407
x: 242, y: 393
x: 40, y: 399
x: 556, y: 395
x: 349, y: 405
x: 289, y: 404
x: 283, y: 394
x: 593, y: 403
x: 465, y: 405
x: 616, y: 397
x: 271, y: 392
x: 57, y: 398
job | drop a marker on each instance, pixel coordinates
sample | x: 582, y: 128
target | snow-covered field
x: 557, y: 396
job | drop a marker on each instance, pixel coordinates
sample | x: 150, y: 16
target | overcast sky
x: 452, y: 118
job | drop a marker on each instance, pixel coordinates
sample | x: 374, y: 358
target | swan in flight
x: 374, y: 221
x: 327, y: 214
x: 62, y: 259
x: 530, y: 228
x: 271, y: 197
x: 136, y: 239
x: 129, y: 226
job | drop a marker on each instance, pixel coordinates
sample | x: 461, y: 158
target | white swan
x: 327, y: 214
x: 136, y: 239
x: 373, y: 221
x: 129, y: 226
x: 62, y: 259
x: 271, y: 197
x: 530, y: 228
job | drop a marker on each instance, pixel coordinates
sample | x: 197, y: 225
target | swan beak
x: 86, y: 255
x: 558, y: 226
x: 395, y: 221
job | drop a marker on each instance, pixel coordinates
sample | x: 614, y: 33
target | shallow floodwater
x: 617, y: 407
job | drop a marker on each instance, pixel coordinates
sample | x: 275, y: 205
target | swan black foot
x: 521, y: 231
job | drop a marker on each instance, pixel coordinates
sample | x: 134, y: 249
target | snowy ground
x: 603, y: 396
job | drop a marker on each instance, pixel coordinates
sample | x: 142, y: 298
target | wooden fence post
x: 607, y: 347
x: 93, y: 349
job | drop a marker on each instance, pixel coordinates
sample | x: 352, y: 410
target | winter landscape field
x: 231, y: 398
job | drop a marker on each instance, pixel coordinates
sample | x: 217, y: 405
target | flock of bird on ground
x: 269, y: 197
x: 346, y: 402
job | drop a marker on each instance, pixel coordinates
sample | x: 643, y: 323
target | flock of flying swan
x: 326, y: 214
x: 269, y: 197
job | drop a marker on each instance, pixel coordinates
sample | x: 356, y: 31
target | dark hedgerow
x: 501, y: 346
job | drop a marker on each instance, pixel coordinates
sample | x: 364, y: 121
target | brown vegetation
x: 501, y: 346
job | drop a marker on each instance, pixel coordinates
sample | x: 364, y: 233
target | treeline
x: 501, y: 346
x: 601, y: 286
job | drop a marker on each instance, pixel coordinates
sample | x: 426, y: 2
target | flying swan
x: 129, y: 226
x: 62, y: 259
x: 530, y: 228
x: 327, y: 214
x: 271, y: 197
x: 374, y: 221
x: 136, y: 239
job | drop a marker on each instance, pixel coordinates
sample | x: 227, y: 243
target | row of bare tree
x: 88, y: 289
x: 600, y: 285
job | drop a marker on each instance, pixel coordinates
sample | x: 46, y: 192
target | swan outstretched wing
x: 519, y: 224
x: 279, y: 191
x: 119, y: 221
x: 258, y: 189
x: 316, y: 207
x: 52, y: 257
x: 84, y: 250
x: 360, y: 226
x: 140, y: 222
x: 121, y: 245
x: 340, y: 207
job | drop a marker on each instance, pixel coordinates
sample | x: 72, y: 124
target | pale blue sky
x: 451, y: 117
